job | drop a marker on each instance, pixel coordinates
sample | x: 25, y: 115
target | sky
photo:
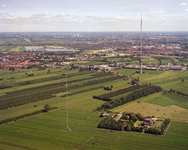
x: 93, y: 15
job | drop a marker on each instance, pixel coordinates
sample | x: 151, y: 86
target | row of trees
x: 132, y: 116
x: 108, y: 88
x: 106, y: 97
x: 132, y: 96
x: 4, y: 86
x: 51, y: 86
x: 24, y: 99
x: 110, y: 123
x: 164, y: 58
x: 44, y: 92
x: 159, y: 130
x: 63, y: 76
x: 180, y: 93
x: 82, y: 91
x: 46, y: 109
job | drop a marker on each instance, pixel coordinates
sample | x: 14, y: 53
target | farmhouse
x: 108, y: 115
x: 148, y: 122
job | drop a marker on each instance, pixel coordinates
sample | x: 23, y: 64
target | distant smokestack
x: 141, y: 48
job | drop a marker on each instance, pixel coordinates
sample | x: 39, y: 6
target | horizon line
x: 78, y: 31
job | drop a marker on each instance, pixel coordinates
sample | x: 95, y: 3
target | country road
x: 119, y: 116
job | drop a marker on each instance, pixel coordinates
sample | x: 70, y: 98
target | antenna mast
x: 141, y: 49
x: 67, y: 99
x: 67, y: 102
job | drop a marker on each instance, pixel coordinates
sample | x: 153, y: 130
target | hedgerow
x: 131, y: 97
x: 106, y: 97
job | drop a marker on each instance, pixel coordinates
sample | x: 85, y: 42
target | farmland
x: 48, y: 130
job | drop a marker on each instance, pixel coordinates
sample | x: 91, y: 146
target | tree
x: 133, y: 117
x: 128, y: 127
x: 46, y: 108
x: 182, y: 80
x: 139, y: 116
x: 158, y: 131
x: 134, y: 81
x: 101, y: 115
x: 12, y: 68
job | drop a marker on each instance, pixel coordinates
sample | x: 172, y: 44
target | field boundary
x: 165, y: 131
x: 85, y: 143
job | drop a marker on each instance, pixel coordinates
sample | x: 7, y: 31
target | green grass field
x: 157, y: 105
x: 48, y: 130
x: 178, y: 100
x: 94, y: 63
x: 170, y: 79
x: 165, y: 62
x: 145, y: 75
x: 16, y: 49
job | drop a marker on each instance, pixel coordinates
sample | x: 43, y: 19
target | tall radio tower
x: 141, y: 48
x: 67, y: 102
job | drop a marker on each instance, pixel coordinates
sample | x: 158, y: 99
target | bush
x: 46, y: 108
x: 101, y: 115
x: 30, y: 75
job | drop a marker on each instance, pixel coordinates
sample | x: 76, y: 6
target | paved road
x: 119, y: 116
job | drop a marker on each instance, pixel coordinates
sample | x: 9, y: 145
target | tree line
x: 35, y: 94
x: 50, y: 86
x: 131, y: 97
x: 63, y: 76
x: 46, y: 109
x: 110, y: 123
x: 108, y: 88
x: 179, y: 93
x: 106, y: 97
x: 159, y: 130
x: 24, y: 99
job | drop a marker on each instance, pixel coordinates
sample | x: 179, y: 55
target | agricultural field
x: 161, y: 106
x: 93, y: 63
x: 48, y: 130
x: 170, y: 79
x: 165, y: 62
x: 145, y: 75
x: 16, y: 49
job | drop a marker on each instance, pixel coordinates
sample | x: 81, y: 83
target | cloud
x: 65, y: 22
x: 186, y: 10
x: 157, y: 12
x: 3, y: 6
x: 183, y: 4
